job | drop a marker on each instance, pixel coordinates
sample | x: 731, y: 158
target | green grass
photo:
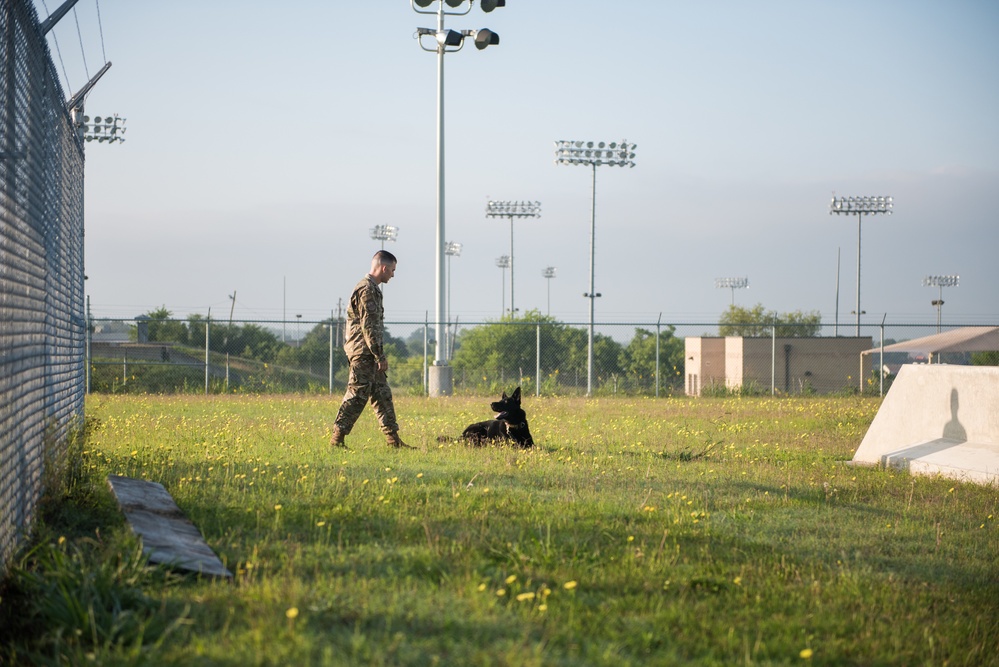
x: 637, y: 532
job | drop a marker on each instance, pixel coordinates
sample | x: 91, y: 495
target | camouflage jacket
x: 365, y: 320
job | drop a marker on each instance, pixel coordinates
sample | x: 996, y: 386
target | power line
x: 100, y: 26
x: 58, y: 51
x: 83, y: 52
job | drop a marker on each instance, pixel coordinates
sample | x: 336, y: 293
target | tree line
x: 505, y: 348
x: 490, y: 355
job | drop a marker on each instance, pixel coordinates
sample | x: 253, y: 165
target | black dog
x: 510, y: 424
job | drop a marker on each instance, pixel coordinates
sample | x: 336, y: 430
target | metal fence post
x: 537, y: 359
x: 207, y: 359
x: 881, y: 361
x: 773, y: 356
x: 86, y: 349
x: 658, y: 324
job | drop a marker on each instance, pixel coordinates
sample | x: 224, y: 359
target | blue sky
x: 265, y: 141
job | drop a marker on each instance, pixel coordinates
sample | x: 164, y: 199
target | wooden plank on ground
x: 168, y: 537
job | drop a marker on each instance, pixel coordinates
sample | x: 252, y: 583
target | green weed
x: 711, y: 531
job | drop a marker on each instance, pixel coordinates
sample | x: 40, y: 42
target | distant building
x: 789, y: 365
x: 114, y: 331
x: 142, y: 328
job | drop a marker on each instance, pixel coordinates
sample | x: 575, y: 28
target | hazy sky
x: 265, y: 140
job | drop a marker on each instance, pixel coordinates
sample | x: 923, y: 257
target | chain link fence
x: 544, y: 357
x: 42, y: 366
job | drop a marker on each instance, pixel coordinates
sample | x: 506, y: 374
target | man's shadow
x: 953, y: 435
x: 953, y: 430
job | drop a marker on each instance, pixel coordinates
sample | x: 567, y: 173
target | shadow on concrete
x: 954, y: 434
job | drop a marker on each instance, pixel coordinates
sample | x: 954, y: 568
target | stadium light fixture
x: 442, y: 41
x: 593, y: 154
x: 504, y: 262
x: 860, y: 206
x: 384, y: 233
x: 513, y: 209
x: 108, y: 129
x: 483, y: 37
x: 549, y: 273
x: 940, y: 282
x: 733, y: 284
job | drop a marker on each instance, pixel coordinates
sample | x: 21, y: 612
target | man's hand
x: 383, y: 365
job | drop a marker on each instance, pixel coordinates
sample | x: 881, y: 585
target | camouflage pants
x: 366, y: 383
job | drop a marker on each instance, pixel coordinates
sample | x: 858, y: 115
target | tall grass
x: 637, y: 531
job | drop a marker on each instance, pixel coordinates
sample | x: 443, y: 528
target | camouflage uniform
x: 364, y: 349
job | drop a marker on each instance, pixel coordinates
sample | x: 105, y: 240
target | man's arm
x: 372, y: 325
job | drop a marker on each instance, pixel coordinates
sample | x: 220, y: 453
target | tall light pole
x: 503, y: 261
x: 384, y: 233
x: 549, y: 273
x: 451, y: 249
x: 733, y: 284
x: 860, y: 206
x: 443, y: 41
x: 513, y: 209
x: 593, y: 155
x: 941, y: 282
x: 225, y: 339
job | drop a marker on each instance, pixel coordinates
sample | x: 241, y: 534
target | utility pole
x: 339, y: 306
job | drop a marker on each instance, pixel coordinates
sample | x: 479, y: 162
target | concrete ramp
x: 938, y: 420
x: 168, y: 537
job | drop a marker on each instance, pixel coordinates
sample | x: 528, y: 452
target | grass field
x: 637, y: 532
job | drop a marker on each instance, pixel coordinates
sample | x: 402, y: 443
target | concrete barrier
x: 938, y: 420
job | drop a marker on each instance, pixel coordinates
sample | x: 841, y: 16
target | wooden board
x: 168, y: 537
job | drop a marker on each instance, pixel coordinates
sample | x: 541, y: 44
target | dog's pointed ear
x: 503, y: 397
x: 516, y: 394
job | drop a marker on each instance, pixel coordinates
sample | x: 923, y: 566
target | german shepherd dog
x: 510, y: 424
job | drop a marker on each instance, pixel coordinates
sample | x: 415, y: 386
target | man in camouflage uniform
x: 368, y: 364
